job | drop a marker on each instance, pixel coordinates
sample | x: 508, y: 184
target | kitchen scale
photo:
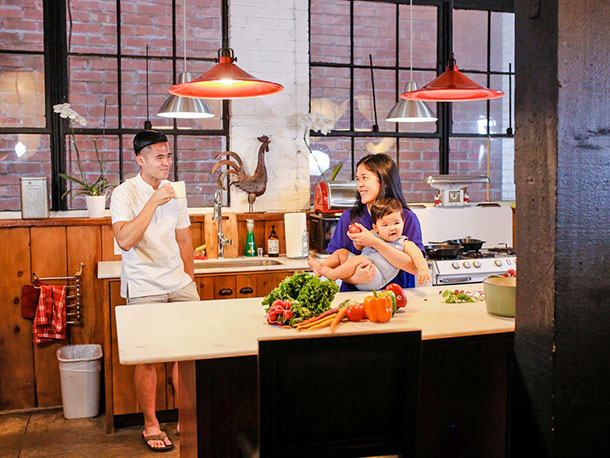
x: 452, y: 188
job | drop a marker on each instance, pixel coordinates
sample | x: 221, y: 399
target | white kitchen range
x: 472, y: 266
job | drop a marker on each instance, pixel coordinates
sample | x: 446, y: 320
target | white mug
x: 179, y: 189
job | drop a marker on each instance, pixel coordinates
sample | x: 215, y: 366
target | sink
x: 217, y: 264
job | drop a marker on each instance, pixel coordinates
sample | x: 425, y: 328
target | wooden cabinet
x: 120, y: 391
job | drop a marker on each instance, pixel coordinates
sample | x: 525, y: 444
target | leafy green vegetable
x: 308, y: 295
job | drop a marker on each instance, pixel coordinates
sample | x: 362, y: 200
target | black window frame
x: 56, y: 77
x: 444, y: 43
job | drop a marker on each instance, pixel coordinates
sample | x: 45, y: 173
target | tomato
x: 355, y: 312
x: 354, y: 229
x: 401, y: 298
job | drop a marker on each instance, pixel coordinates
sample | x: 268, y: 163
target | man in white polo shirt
x: 151, y: 226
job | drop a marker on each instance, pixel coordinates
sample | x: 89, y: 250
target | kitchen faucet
x: 222, y: 241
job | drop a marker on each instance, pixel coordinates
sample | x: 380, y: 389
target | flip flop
x: 158, y: 437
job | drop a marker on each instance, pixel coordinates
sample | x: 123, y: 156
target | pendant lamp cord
x: 147, y: 123
x: 375, y: 126
x: 184, y: 30
x: 411, y: 37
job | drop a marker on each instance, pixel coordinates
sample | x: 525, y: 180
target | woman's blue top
x: 412, y: 231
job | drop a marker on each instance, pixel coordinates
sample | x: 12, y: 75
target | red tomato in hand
x: 354, y: 229
x: 401, y: 298
x: 355, y: 312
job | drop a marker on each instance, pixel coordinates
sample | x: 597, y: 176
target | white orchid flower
x: 65, y: 111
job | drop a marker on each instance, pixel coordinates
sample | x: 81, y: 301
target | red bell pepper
x: 401, y: 298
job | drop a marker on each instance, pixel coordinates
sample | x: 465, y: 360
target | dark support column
x: 562, y: 174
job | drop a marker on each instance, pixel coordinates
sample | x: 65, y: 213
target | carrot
x: 319, y: 317
x: 338, y: 317
x: 317, y: 324
x: 322, y: 324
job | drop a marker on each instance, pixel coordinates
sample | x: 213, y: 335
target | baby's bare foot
x: 315, y: 265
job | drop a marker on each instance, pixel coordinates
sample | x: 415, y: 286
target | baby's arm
x: 421, y: 265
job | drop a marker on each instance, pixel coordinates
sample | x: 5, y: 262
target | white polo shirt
x: 153, y: 265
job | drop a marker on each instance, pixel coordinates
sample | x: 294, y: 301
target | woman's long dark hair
x: 384, y: 167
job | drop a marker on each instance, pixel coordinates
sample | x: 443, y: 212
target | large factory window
x: 469, y: 138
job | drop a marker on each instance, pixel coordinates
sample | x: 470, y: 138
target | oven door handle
x: 454, y: 280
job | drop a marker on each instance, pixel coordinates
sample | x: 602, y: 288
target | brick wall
x: 270, y: 40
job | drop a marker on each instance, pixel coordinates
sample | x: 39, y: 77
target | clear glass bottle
x: 250, y: 243
x: 305, y: 242
x: 273, y: 244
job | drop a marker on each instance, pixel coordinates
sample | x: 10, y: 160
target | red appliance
x: 334, y: 196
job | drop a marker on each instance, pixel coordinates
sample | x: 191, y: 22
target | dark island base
x: 463, y: 401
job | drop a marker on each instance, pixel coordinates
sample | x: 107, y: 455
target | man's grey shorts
x: 185, y: 294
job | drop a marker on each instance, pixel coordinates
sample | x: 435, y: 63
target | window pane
x: 469, y: 157
x: 339, y: 151
x: 130, y: 166
x: 204, y: 28
x: 502, y: 41
x: 21, y: 155
x: 134, y: 92
x: 471, y: 117
x: 146, y: 23
x: 108, y: 148
x: 424, y: 36
x: 22, y: 101
x: 196, y: 158
x: 421, y: 79
x: 498, y: 108
x: 93, y: 80
x: 329, y: 31
x: 21, y: 27
x: 196, y: 69
x: 385, y: 94
x: 330, y: 92
x: 101, y: 38
x: 418, y: 160
x: 470, y: 39
x: 374, y: 33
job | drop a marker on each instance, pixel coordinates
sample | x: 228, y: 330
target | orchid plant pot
x: 96, y: 205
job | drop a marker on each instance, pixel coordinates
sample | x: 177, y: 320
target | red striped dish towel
x: 50, y: 320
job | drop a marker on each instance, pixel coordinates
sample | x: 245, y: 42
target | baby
x: 388, y: 224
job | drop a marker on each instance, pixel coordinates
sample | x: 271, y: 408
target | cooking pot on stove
x: 442, y: 250
x: 468, y: 243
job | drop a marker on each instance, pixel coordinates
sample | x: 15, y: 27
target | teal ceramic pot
x: 500, y: 295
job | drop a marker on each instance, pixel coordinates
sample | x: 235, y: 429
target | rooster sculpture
x: 255, y: 185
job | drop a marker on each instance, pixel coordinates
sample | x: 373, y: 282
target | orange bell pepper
x: 378, y: 307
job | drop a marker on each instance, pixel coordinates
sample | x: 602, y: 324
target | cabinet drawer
x: 246, y: 286
x: 224, y: 287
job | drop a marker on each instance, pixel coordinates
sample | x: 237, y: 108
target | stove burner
x: 504, y: 250
x: 475, y: 254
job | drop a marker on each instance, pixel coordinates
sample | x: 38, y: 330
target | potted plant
x: 95, y: 192
x: 318, y: 161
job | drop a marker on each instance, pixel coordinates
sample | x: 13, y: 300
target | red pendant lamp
x: 226, y: 81
x: 453, y: 85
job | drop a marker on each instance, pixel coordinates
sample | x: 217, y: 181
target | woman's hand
x: 364, y: 273
x: 363, y: 238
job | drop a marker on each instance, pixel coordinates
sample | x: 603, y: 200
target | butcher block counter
x: 465, y: 367
x: 215, y: 329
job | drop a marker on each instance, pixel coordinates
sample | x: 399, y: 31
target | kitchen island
x: 466, y: 357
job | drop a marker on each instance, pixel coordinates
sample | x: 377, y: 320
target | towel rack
x: 73, y: 304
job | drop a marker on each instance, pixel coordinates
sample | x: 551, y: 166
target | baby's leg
x: 344, y: 270
x: 336, y: 258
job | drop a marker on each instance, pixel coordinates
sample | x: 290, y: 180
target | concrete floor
x: 49, y: 434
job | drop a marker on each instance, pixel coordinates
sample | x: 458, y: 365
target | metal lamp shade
x: 185, y: 107
x: 410, y: 110
x: 226, y: 81
x: 452, y: 86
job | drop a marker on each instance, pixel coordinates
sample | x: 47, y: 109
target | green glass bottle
x: 250, y: 243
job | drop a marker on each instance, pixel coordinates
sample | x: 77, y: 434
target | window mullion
x: 56, y: 91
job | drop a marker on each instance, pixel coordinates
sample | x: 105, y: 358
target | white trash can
x: 79, y: 370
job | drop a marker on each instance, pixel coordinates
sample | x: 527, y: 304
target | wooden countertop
x: 223, y: 328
